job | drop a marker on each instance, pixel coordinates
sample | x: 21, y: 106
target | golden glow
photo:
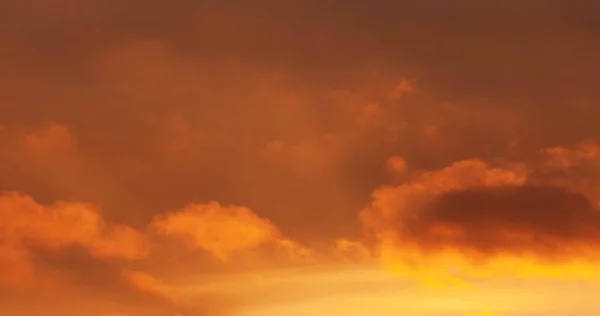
x: 455, y: 267
x: 356, y: 291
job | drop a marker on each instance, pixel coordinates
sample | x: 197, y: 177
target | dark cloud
x: 542, y: 220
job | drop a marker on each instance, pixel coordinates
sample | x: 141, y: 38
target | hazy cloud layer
x: 143, y: 143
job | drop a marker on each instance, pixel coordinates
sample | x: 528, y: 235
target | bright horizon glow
x: 374, y: 291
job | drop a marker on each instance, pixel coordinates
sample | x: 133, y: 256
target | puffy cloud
x: 390, y: 202
x: 473, y: 219
x: 54, y: 253
x: 224, y: 231
x: 27, y: 224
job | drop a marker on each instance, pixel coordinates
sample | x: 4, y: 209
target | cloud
x: 28, y: 225
x: 404, y: 86
x: 393, y: 201
x: 63, y: 251
x: 564, y: 158
x: 224, y: 231
x: 546, y: 221
x: 396, y: 165
x: 147, y: 283
x: 478, y: 220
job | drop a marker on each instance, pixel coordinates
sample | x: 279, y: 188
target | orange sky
x: 268, y: 158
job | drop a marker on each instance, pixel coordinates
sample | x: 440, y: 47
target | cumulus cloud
x: 477, y: 219
x: 224, y: 231
x: 25, y: 224
x: 51, y: 252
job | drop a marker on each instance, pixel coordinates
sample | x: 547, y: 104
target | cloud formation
x: 520, y: 219
x: 224, y: 231
x: 407, y: 198
x: 27, y: 224
x: 147, y: 283
x: 488, y: 220
x: 145, y: 143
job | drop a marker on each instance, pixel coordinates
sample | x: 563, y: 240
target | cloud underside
x: 491, y: 219
x: 543, y: 220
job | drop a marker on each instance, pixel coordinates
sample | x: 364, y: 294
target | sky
x: 268, y: 158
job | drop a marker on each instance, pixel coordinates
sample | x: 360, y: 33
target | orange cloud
x: 564, y: 158
x: 404, y: 86
x: 396, y: 165
x: 147, y: 283
x: 224, y: 231
x: 351, y: 250
x: 389, y: 202
x: 26, y: 224
x: 472, y: 219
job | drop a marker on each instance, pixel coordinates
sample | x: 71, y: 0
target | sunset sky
x: 299, y: 158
